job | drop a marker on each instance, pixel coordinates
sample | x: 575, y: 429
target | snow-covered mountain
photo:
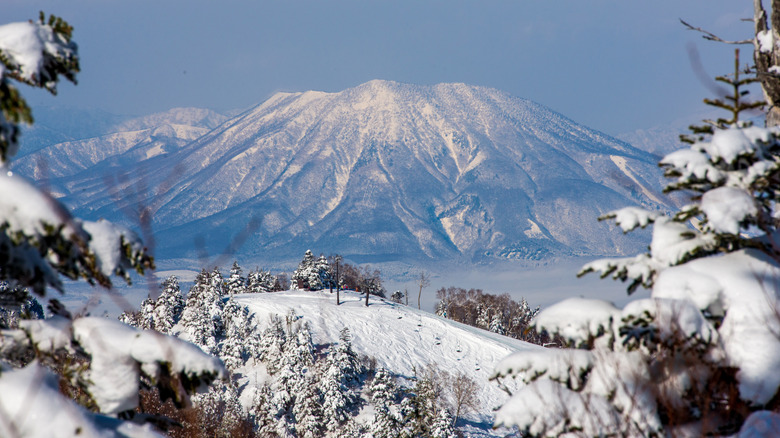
x: 125, y: 143
x: 383, y: 171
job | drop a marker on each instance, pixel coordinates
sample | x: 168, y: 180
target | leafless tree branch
x: 711, y: 36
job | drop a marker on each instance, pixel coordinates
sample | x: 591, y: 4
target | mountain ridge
x: 388, y: 169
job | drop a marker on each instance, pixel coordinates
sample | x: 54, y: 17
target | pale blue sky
x: 614, y: 65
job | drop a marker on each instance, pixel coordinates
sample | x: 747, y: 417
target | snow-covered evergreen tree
x: 497, y: 324
x: 307, y: 409
x: 201, y: 318
x: 326, y: 277
x: 219, y: 410
x: 339, y: 379
x: 169, y: 306
x: 387, y: 421
x: 312, y: 273
x: 236, y: 283
x: 698, y: 358
x: 398, y: 297
x: 262, y: 411
x: 442, y: 426
x: 421, y: 407
x: 296, y: 361
x: 146, y: 315
x: 261, y: 281
x: 238, y: 328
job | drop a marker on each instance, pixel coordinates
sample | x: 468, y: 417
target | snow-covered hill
x: 402, y: 339
x: 383, y: 171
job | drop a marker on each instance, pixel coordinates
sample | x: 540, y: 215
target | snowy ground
x: 400, y: 338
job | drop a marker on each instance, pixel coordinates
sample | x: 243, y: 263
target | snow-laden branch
x: 121, y: 354
x: 39, y: 239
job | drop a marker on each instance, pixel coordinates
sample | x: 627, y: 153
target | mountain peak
x: 391, y: 171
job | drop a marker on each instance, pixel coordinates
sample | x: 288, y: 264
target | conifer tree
x: 272, y: 344
x: 306, y: 276
x: 296, y: 361
x: 201, y: 318
x: 384, y: 393
x: 146, y: 317
x: 236, y: 283
x: 337, y: 385
x: 234, y: 348
x: 420, y: 409
x: 692, y: 359
x: 219, y: 410
x: 442, y: 426
x: 261, y: 281
x: 169, y: 306
x: 323, y: 270
x: 308, y: 408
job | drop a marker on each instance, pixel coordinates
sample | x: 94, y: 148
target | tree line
x: 495, y: 313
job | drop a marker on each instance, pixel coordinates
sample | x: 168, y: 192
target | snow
x: 621, y: 163
x: 30, y: 48
x: 726, y: 208
x: 560, y: 365
x: 399, y: 337
x: 766, y: 41
x: 760, y: 424
x: 576, y: 318
x: 119, y: 353
x: 745, y: 284
x: 38, y: 208
x: 671, y: 318
x: 549, y: 409
x: 534, y: 232
x: 23, y: 44
x: 693, y: 163
x: 629, y: 218
x: 674, y: 241
x: 32, y: 407
x: 728, y: 144
x: 106, y: 244
x: 48, y: 335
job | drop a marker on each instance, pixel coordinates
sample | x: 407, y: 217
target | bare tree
x: 767, y: 57
x: 766, y: 53
x: 423, y: 280
x: 335, y: 260
x: 464, y: 394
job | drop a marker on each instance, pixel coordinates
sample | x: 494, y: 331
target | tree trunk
x: 766, y: 60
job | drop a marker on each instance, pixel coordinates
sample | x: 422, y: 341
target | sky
x: 613, y: 65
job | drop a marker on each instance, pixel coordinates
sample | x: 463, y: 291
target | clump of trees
x: 318, y: 273
x: 496, y: 313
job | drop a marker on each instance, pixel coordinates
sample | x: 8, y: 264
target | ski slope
x: 401, y: 338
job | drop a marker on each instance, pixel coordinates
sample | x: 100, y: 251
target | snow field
x: 401, y: 339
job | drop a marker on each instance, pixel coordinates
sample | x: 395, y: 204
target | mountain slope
x: 389, y: 171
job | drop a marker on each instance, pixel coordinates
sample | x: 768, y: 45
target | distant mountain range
x: 380, y: 172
